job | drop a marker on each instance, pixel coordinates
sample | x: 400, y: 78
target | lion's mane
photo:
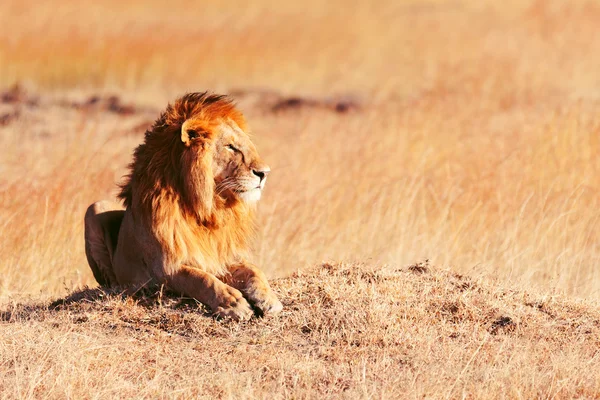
x: 170, y: 188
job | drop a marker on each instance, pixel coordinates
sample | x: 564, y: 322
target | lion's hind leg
x: 254, y: 285
x: 102, y: 223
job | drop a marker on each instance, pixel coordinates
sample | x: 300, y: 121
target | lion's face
x: 237, y: 169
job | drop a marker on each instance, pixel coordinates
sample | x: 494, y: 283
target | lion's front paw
x: 235, y: 307
x: 268, y: 304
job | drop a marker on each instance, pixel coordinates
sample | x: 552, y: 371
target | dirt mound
x: 347, y: 329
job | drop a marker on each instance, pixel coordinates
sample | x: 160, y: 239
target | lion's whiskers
x: 228, y: 183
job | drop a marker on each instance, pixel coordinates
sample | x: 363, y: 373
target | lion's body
x: 184, y: 220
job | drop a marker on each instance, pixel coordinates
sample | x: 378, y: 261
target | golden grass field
x: 462, y: 132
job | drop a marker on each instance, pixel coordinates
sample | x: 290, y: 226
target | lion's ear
x: 188, y: 133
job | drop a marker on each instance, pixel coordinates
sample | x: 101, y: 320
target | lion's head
x: 198, y: 151
x: 236, y: 168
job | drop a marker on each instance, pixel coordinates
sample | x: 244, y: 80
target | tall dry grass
x: 476, y: 144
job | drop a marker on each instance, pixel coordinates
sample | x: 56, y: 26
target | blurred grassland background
x: 474, y: 141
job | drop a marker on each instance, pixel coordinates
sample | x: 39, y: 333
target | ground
x: 348, y: 330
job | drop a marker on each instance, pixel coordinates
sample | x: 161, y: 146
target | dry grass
x: 348, y: 331
x: 466, y: 132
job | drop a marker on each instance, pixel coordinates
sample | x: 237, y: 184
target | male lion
x: 189, y: 206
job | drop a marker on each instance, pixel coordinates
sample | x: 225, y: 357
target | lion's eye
x: 232, y: 148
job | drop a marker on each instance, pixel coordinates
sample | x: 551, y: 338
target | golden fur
x: 189, y: 210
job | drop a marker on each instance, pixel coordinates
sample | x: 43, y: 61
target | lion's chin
x: 250, y: 196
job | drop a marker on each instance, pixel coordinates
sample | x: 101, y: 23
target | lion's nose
x: 261, y: 173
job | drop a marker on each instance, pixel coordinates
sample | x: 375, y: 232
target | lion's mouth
x: 250, y: 195
x: 247, y: 190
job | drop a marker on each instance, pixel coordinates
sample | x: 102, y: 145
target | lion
x: 188, y: 211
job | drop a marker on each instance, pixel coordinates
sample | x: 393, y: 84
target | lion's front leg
x: 224, y: 300
x: 253, y: 283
